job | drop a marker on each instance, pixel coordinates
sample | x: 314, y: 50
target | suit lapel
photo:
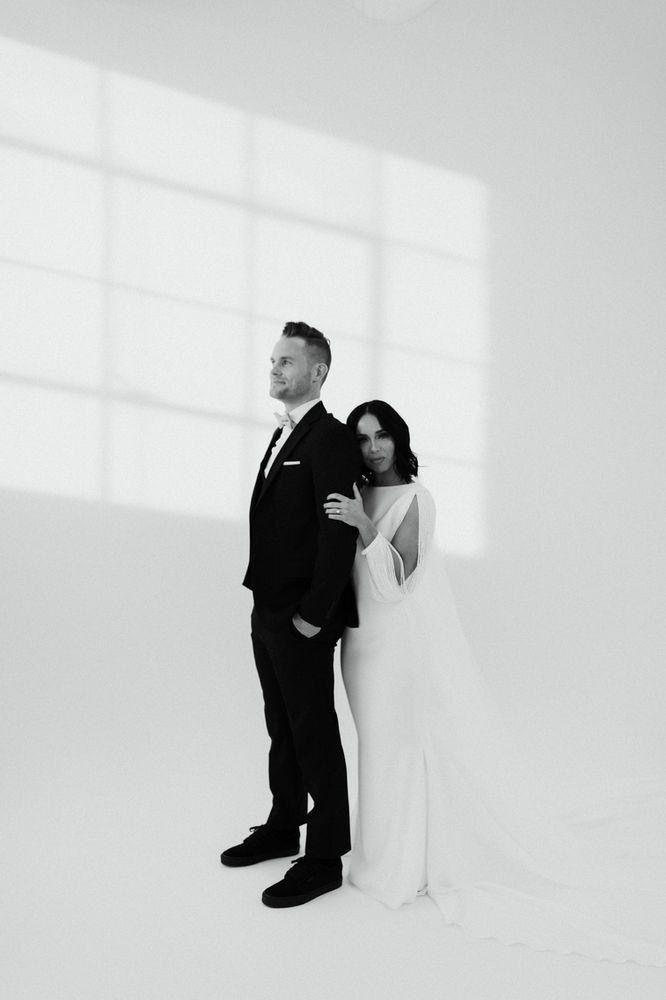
x: 276, y: 435
x: 297, y: 435
x: 259, y: 482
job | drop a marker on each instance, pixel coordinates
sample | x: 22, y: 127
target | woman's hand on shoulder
x: 349, y: 510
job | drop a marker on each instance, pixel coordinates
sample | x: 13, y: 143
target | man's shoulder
x: 330, y: 437
x: 335, y: 430
x: 334, y: 422
x: 326, y: 422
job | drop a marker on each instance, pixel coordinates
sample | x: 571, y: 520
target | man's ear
x: 321, y: 370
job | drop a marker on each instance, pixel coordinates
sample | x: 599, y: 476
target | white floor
x: 101, y: 912
x: 116, y: 890
x: 134, y: 751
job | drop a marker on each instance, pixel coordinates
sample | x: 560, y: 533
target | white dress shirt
x: 296, y: 414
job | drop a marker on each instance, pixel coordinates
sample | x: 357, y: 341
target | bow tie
x: 284, y: 420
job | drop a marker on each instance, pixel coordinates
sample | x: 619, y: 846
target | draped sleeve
x: 382, y: 557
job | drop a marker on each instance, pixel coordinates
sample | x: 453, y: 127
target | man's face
x: 291, y: 375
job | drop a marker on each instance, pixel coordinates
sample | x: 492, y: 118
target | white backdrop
x: 470, y: 204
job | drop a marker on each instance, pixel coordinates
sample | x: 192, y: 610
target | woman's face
x: 377, y: 447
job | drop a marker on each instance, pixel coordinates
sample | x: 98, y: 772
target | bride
x: 445, y: 806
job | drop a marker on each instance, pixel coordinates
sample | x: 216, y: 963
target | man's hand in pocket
x: 305, y: 628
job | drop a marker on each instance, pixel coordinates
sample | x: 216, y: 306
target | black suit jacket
x: 300, y: 560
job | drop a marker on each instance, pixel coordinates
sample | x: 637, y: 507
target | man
x: 299, y: 574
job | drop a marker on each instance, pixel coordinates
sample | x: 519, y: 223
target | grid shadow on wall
x: 154, y: 243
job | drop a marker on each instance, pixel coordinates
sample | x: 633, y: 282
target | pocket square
x: 292, y: 463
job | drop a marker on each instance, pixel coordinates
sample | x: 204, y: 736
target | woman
x: 444, y: 806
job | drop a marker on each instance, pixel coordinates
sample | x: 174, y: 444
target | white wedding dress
x: 444, y: 805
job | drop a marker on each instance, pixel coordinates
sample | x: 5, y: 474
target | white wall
x: 471, y: 205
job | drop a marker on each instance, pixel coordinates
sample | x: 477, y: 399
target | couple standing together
x: 443, y: 806
x: 306, y: 514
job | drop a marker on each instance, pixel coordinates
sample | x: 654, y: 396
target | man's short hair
x: 319, y: 346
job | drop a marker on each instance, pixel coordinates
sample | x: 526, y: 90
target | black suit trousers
x: 305, y: 755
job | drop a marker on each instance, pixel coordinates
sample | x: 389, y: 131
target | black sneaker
x: 263, y: 844
x: 305, y: 880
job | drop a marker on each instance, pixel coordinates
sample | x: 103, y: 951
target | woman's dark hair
x: 406, y: 462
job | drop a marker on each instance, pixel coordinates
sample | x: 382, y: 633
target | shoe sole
x: 232, y: 862
x: 278, y: 902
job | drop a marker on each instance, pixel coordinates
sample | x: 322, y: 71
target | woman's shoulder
x: 418, y: 509
x: 416, y: 503
x: 421, y: 492
x: 396, y: 501
x: 399, y: 492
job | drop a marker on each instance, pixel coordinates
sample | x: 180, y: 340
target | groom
x: 299, y: 574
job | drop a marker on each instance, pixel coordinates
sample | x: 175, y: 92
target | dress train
x: 446, y: 805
